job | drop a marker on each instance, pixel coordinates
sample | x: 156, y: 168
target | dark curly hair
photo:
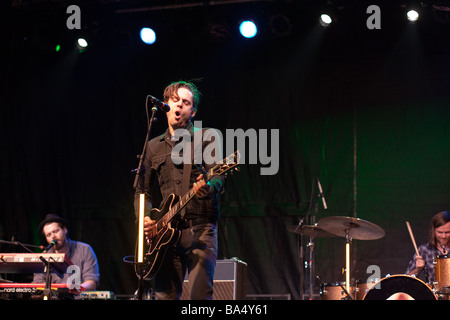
x: 172, y: 90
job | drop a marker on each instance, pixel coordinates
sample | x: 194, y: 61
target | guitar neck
x: 180, y: 204
x: 220, y: 169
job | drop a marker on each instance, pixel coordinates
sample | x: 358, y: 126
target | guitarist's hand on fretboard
x: 201, y: 188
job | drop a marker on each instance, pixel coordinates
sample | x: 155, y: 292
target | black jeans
x: 195, y: 253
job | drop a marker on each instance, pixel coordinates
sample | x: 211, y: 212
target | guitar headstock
x: 227, y: 165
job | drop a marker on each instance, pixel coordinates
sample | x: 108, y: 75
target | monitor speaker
x: 229, y: 281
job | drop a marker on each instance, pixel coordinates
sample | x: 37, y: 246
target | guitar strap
x: 187, y: 169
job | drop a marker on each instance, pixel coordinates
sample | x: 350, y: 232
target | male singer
x: 196, y: 251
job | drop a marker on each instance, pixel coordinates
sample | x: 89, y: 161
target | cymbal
x: 355, y: 228
x: 311, y: 231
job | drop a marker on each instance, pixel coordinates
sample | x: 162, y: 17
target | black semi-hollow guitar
x: 162, y: 234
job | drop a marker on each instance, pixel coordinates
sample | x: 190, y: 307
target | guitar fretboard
x: 219, y: 169
x: 179, y: 205
x: 176, y: 208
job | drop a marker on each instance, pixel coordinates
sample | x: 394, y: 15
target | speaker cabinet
x: 229, y: 281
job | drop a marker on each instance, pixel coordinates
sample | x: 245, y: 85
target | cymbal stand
x: 311, y: 255
x: 300, y: 249
x: 312, y: 203
x: 348, y: 295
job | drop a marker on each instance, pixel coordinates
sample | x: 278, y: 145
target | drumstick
x: 412, y: 238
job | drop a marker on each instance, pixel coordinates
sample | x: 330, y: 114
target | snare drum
x: 442, y: 273
x: 400, y: 287
x: 334, y: 291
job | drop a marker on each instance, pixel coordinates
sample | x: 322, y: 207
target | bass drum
x: 363, y: 287
x: 400, y: 287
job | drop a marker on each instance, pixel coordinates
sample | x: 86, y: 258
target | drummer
x: 439, y: 243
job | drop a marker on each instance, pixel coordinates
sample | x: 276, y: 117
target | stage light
x: 412, y: 9
x: 82, y: 43
x: 412, y: 15
x: 248, y: 29
x: 325, y: 20
x: 328, y: 13
x: 147, y: 35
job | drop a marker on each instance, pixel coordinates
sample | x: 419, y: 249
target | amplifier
x: 230, y: 278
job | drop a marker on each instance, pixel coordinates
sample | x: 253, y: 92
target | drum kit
x: 395, y: 287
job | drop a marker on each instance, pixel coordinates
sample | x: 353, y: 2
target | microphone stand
x: 297, y: 230
x: 138, y: 185
x: 47, y: 294
x: 313, y: 202
x: 23, y: 245
x: 138, y: 171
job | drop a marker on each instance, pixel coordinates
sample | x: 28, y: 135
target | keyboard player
x: 54, y: 229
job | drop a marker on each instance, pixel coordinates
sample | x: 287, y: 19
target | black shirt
x: 163, y: 168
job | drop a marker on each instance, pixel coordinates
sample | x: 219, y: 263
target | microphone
x: 159, y: 104
x: 50, y: 246
x: 321, y: 194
